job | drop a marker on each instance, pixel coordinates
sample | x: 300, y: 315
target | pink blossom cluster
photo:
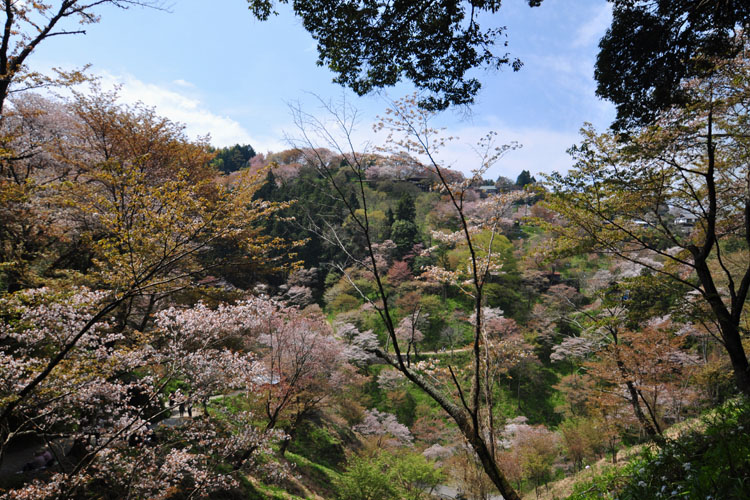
x: 105, y: 397
x: 383, y: 424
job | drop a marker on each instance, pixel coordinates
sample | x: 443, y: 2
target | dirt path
x: 446, y: 352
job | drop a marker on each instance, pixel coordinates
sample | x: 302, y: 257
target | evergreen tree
x: 405, y: 235
x: 389, y: 222
x: 230, y: 160
x: 525, y: 178
x: 353, y: 200
x: 405, y: 209
x: 268, y: 189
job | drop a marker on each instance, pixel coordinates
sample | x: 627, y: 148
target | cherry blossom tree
x: 359, y: 345
x: 409, y: 333
x: 691, y: 160
x: 107, y: 401
x: 142, y: 221
x: 305, y: 367
x: 652, y: 363
x: 382, y: 425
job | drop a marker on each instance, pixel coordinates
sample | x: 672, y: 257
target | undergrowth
x: 708, y: 462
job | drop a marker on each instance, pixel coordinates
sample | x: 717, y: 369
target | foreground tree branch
x: 28, y: 24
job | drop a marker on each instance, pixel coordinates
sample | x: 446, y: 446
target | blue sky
x: 211, y: 66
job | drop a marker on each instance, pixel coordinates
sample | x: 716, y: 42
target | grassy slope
x: 704, y: 458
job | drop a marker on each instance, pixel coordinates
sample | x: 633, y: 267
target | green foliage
x: 713, y: 462
x: 333, y: 277
x: 404, y: 234
x: 525, y: 178
x: 231, y: 159
x: 653, y: 46
x: 354, y: 200
x: 268, y: 190
x: 505, y: 292
x: 313, y: 205
x: 318, y: 445
x: 501, y: 251
x: 403, y: 476
x: 366, y: 479
x: 405, y: 210
x: 375, y: 44
x: 322, y: 476
x: 343, y: 302
x: 404, y: 408
x: 529, y: 392
x: 648, y: 296
x: 379, y: 229
x: 438, y: 316
x: 424, y: 205
x: 415, y: 475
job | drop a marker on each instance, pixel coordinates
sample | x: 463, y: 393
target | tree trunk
x: 633, y: 392
x: 291, y: 432
x: 4, y: 86
x: 730, y: 333
x: 464, y: 422
x: 490, y: 468
x: 650, y: 430
x: 733, y: 345
x: 285, y: 444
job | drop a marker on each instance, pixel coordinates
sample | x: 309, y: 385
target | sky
x: 211, y: 66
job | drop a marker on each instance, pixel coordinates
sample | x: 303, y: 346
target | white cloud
x: 179, y: 105
x: 183, y: 83
x: 594, y: 28
x: 542, y: 150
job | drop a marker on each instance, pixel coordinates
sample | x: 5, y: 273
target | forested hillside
x: 328, y: 321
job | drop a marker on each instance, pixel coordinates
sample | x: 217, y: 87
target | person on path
x: 180, y: 398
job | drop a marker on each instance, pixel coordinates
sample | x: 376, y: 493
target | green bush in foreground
x: 407, y: 476
x: 710, y: 463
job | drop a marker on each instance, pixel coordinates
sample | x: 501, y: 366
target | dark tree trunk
x: 733, y: 345
x: 728, y: 324
x: 651, y: 431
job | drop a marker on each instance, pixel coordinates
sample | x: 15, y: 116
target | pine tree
x: 405, y: 209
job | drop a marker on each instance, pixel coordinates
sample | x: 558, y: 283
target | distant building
x: 487, y: 190
x: 683, y: 218
x: 422, y: 181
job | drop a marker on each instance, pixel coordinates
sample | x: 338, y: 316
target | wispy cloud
x: 183, y: 83
x: 178, y: 102
x: 594, y: 28
x: 542, y: 150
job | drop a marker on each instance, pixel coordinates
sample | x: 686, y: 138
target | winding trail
x: 447, y: 351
